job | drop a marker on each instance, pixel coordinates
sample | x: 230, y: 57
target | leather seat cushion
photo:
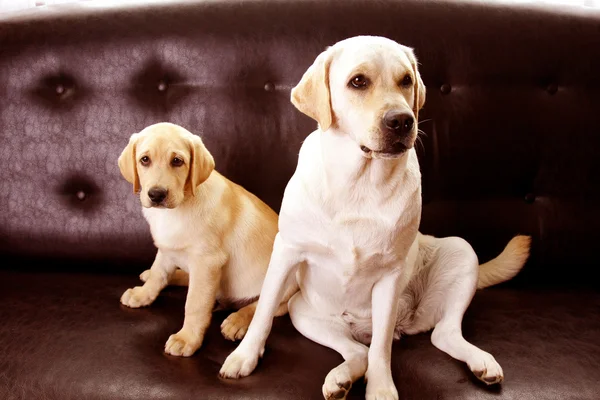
x: 66, y: 336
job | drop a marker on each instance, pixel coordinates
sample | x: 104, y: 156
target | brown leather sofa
x: 512, y: 140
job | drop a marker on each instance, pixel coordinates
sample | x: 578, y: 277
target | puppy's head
x: 165, y: 163
x: 368, y: 88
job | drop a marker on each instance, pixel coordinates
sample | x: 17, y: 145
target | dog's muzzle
x: 398, y: 135
x: 399, y: 123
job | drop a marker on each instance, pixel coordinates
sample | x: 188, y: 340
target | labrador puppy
x: 348, y: 229
x: 210, y: 233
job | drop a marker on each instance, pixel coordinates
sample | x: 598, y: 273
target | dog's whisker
x: 420, y: 142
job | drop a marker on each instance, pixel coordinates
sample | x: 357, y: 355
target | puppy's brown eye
x: 359, y: 82
x: 145, y: 160
x: 177, y: 162
x: 406, y: 81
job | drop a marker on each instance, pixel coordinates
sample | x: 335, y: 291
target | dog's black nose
x: 400, y: 122
x: 157, y: 194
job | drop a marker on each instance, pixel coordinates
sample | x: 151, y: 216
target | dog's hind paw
x: 337, y: 383
x: 486, y: 369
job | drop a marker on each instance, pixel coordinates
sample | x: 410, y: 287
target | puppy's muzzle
x: 157, y: 195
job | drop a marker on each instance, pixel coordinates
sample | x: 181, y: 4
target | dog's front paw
x: 382, y: 393
x: 182, y: 344
x: 145, y: 275
x: 337, y: 383
x: 235, y: 325
x: 240, y: 363
x: 137, y: 297
x: 380, y: 385
x: 486, y: 368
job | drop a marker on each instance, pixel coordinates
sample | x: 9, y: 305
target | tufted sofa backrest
x: 512, y: 117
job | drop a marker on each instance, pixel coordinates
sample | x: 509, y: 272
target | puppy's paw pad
x: 137, y: 297
x: 235, y: 326
x: 337, y: 383
x: 145, y: 275
x: 239, y: 364
x: 486, y: 368
x: 180, y: 344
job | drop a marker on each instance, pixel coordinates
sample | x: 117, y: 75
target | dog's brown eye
x: 177, y: 162
x: 145, y: 160
x: 407, y: 81
x: 359, y: 82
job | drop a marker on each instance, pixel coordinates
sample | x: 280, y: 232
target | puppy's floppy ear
x: 419, y: 87
x: 311, y: 95
x: 128, y: 163
x: 202, y: 163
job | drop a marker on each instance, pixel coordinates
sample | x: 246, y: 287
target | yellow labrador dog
x: 211, y: 228
x: 348, y: 229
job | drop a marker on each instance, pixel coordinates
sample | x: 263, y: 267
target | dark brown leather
x: 64, y: 336
x: 510, y: 146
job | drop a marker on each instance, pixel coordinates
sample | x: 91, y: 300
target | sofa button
x: 162, y: 86
x: 529, y: 198
x: 552, y: 88
x: 80, y: 195
x: 269, y: 87
x: 446, y: 88
x: 60, y: 89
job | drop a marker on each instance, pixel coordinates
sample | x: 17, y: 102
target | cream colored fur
x: 348, y: 230
x: 210, y: 233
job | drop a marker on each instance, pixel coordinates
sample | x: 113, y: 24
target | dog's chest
x: 350, y: 253
x: 365, y: 236
x: 359, y: 242
x: 349, y: 247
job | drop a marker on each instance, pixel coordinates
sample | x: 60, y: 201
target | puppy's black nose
x: 398, y: 121
x: 157, y: 194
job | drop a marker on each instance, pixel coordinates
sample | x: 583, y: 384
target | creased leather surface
x: 65, y: 336
x: 511, y: 117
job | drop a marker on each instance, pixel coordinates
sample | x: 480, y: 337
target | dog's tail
x: 507, y: 265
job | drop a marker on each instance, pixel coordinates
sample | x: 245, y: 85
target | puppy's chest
x: 170, y: 232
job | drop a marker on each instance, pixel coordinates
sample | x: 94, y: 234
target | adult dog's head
x: 366, y: 87
x: 165, y: 163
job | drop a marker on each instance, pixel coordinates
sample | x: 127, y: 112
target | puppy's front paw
x: 239, y: 364
x: 182, y: 344
x: 145, y: 275
x: 235, y: 325
x: 137, y: 297
x: 380, y: 385
x: 486, y: 368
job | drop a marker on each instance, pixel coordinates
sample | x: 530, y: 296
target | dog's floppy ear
x: 419, y: 87
x: 311, y: 95
x: 128, y: 163
x: 202, y: 163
